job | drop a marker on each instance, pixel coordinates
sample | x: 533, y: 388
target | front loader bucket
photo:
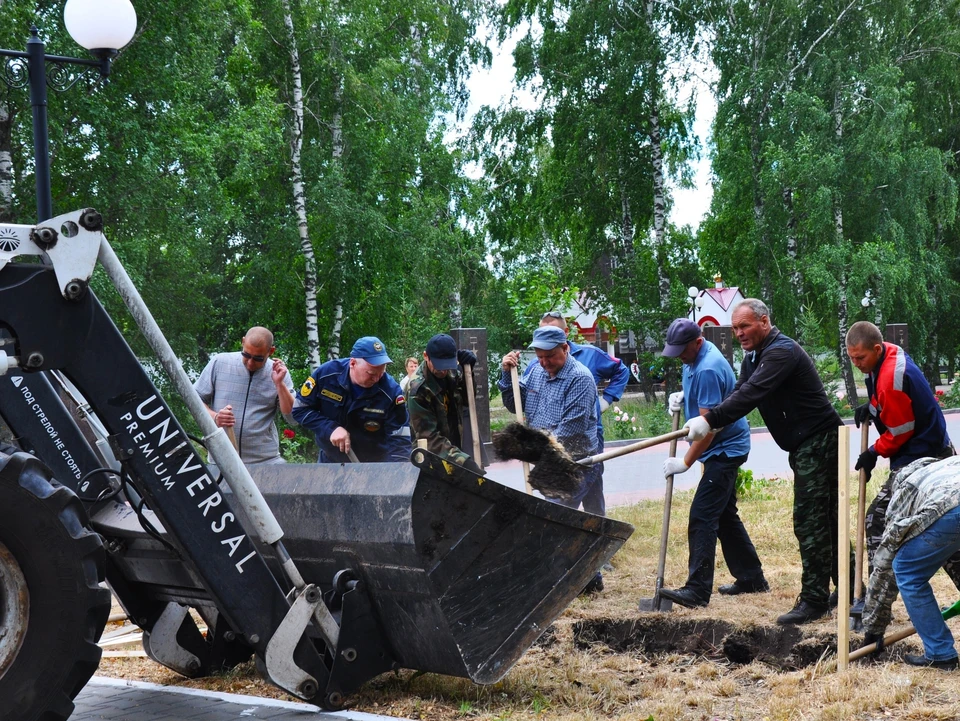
x: 463, y: 574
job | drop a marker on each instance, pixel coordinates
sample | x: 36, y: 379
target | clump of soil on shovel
x: 555, y: 473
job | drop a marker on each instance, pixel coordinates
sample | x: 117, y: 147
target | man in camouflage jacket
x: 922, y: 531
x: 435, y: 401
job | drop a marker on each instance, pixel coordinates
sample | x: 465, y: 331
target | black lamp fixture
x: 100, y: 26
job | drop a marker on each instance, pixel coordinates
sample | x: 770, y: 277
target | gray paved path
x: 107, y: 699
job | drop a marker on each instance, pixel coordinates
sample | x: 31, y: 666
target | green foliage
x: 753, y: 488
x: 539, y: 704
x: 297, y: 445
x: 831, y: 175
x: 632, y: 419
x: 951, y: 398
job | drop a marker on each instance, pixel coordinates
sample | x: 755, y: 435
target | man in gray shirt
x: 244, y: 391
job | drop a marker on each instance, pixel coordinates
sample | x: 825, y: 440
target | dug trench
x: 784, y: 647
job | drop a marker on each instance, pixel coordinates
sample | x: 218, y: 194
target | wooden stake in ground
x: 843, y: 548
x: 518, y: 406
x: 472, y: 407
x: 861, y: 511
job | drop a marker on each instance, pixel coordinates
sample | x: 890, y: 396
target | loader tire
x: 52, y: 608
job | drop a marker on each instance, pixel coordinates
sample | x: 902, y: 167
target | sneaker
x: 738, y: 587
x: 803, y: 612
x: 595, y: 586
x: 947, y: 664
x: 684, y: 597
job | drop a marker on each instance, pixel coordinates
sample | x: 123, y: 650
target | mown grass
x: 563, y: 682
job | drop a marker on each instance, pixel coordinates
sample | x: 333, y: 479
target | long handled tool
x: 518, y: 405
x: 948, y: 613
x: 638, y: 446
x: 472, y: 407
x: 657, y: 603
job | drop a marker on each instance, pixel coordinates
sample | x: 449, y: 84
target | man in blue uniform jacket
x: 352, y: 404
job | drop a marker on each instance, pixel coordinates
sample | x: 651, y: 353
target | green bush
x: 297, y: 445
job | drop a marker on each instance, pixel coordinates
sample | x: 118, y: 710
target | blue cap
x: 548, y: 337
x: 372, y: 350
x: 679, y: 334
x: 442, y: 352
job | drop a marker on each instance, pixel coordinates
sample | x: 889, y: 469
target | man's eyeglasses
x: 254, y: 358
x: 552, y: 314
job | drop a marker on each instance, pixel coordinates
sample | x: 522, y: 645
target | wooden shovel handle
x: 472, y: 407
x: 518, y: 406
x: 638, y: 446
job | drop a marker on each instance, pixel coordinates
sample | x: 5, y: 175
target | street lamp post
x: 696, y: 301
x: 868, y: 300
x: 100, y: 26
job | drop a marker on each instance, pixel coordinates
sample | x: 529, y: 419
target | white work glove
x: 698, y: 427
x: 675, y: 403
x: 604, y: 404
x: 674, y: 466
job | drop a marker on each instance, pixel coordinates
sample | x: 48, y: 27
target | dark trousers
x: 815, y: 513
x: 591, y: 494
x: 713, y: 517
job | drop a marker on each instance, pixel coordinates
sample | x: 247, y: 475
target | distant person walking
x: 411, y: 366
x: 778, y: 378
x: 707, y: 380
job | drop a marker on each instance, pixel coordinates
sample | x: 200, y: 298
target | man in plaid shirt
x: 560, y: 396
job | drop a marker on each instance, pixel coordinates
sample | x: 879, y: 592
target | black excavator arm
x: 383, y: 566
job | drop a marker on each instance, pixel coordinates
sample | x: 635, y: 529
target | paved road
x: 637, y: 476
x: 114, y: 700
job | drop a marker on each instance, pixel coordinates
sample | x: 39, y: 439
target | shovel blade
x: 655, y: 604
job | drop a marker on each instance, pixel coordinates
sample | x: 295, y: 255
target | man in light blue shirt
x: 707, y: 380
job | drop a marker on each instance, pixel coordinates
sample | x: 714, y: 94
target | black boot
x: 803, y: 612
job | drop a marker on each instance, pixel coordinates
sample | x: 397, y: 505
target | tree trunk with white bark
x: 299, y: 194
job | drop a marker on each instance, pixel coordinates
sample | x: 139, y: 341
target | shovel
x: 948, y: 613
x: 657, y: 603
x: 638, y: 446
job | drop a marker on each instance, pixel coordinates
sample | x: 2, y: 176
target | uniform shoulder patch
x: 401, y: 400
x: 307, y: 387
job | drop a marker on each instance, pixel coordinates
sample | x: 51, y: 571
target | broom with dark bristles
x: 555, y: 473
